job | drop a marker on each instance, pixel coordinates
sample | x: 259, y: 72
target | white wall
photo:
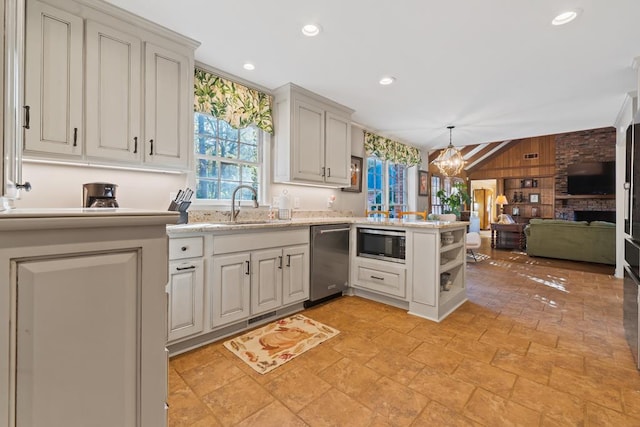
x: 60, y: 186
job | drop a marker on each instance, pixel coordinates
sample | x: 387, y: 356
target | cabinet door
x: 266, y: 280
x: 308, y: 142
x: 78, y: 329
x: 337, y: 149
x: 295, y: 275
x: 168, y: 107
x: 186, y: 295
x: 113, y: 94
x: 229, y: 289
x: 53, y: 80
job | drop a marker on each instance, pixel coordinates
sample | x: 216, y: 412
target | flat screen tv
x: 590, y: 178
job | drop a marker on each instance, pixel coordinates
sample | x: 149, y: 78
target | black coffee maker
x: 99, y: 195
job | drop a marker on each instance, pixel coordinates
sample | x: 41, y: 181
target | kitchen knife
x: 177, y: 199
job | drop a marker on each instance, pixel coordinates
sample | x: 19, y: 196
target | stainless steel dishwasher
x: 329, y: 262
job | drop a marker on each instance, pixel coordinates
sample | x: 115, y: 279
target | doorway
x: 482, y: 203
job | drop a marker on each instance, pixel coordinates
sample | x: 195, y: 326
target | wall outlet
x: 275, y: 201
x: 296, y: 203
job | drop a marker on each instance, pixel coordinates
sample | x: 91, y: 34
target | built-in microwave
x: 388, y: 245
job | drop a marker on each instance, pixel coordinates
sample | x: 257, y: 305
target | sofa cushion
x: 602, y: 224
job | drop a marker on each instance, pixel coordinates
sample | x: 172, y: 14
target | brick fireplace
x: 596, y: 145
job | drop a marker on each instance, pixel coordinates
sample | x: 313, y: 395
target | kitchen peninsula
x: 216, y: 272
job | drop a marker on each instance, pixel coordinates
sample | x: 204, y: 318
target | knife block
x: 182, y: 208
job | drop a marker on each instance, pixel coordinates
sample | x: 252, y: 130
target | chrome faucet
x: 234, y: 212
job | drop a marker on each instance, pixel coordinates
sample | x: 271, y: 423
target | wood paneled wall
x: 511, y: 162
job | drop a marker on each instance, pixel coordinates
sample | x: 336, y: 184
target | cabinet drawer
x: 389, y: 282
x: 186, y: 247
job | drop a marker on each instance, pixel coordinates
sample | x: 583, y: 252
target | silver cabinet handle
x: 288, y: 260
x: 329, y: 172
x: 377, y: 278
x: 191, y: 267
x: 333, y: 230
x: 280, y: 262
x: 248, y: 272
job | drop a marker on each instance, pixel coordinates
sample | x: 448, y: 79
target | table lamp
x: 501, y: 200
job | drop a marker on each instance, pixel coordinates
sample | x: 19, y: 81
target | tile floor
x: 538, y: 344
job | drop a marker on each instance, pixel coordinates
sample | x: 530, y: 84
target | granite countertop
x: 33, y: 219
x: 305, y: 222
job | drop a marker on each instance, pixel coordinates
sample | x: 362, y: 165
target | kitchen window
x: 436, y: 204
x: 225, y: 158
x: 386, y: 186
x: 232, y: 123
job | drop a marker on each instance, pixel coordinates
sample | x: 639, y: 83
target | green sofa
x: 574, y: 240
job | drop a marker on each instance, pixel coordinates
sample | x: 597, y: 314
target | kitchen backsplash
x: 259, y: 214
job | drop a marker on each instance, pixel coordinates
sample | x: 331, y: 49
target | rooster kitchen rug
x: 270, y: 346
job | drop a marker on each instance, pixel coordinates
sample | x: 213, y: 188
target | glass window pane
x: 206, y: 189
x: 206, y: 168
x: 230, y: 171
x: 226, y: 131
x: 205, y: 145
x: 248, y: 153
x: 228, y: 149
x: 249, y: 135
x: 250, y: 175
x: 204, y: 124
x: 226, y: 189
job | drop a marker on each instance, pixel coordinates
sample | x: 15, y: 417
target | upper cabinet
x: 137, y: 80
x: 53, y: 81
x: 113, y: 94
x: 312, y: 139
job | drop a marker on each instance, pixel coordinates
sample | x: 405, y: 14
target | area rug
x: 266, y: 348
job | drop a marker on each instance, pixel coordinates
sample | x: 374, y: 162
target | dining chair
x: 422, y: 215
x: 374, y: 213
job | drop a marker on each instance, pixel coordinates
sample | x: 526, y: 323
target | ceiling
x: 496, y: 69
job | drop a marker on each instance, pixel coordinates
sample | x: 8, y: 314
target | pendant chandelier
x: 450, y: 161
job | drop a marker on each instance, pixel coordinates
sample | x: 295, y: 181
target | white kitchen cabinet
x: 429, y: 259
x: 186, y: 298
x: 84, y: 319
x: 138, y: 81
x: 266, y: 280
x: 113, y: 82
x: 313, y: 138
x: 295, y: 278
x: 77, y: 326
x: 53, y: 81
x: 279, y: 276
x: 168, y: 110
x: 379, y: 276
x: 230, y: 287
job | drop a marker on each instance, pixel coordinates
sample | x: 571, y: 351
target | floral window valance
x: 234, y: 103
x: 387, y: 149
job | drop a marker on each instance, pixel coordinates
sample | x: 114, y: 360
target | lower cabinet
x: 220, y: 280
x: 279, y: 276
x: 186, y: 302
x: 379, y: 276
x: 295, y: 278
x: 229, y: 289
x: 84, y: 321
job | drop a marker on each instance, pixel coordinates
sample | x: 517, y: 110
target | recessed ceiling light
x: 311, y: 30
x: 249, y: 66
x: 387, y: 80
x: 565, y: 17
